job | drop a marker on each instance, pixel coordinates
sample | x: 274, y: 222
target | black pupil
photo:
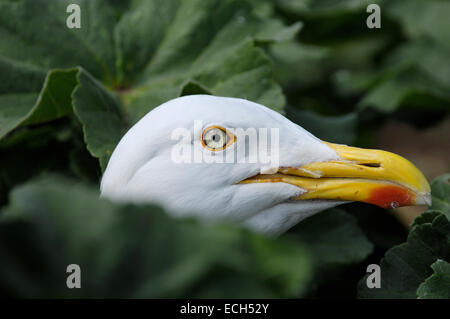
x: 215, y: 137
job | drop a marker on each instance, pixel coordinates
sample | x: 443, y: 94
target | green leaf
x: 406, y: 266
x: 335, y: 241
x: 131, y: 251
x: 93, y: 104
x: 66, y: 91
x: 29, y: 152
x: 307, y: 60
x: 440, y: 190
x: 33, y: 33
x: 410, y: 87
x: 336, y: 129
x: 36, y: 41
x: 53, y: 102
x: 426, y: 217
x: 213, y: 43
x: 437, y: 286
x: 136, y: 45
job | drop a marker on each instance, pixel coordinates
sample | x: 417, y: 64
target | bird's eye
x: 217, y: 138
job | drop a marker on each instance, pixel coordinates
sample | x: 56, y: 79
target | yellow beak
x: 372, y: 176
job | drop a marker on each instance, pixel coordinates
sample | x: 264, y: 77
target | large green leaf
x: 336, y: 243
x: 130, y: 251
x: 66, y: 91
x: 441, y: 194
x: 308, y: 62
x: 334, y: 238
x: 29, y: 152
x: 53, y: 102
x: 93, y: 104
x: 33, y: 34
x: 437, y: 286
x: 336, y: 129
x: 35, y: 41
x: 213, y: 43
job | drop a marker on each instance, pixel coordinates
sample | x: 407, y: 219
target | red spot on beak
x: 391, y: 197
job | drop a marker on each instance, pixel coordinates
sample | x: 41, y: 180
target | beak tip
x: 424, y: 199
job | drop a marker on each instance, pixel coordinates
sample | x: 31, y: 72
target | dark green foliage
x: 128, y: 251
x: 437, y: 286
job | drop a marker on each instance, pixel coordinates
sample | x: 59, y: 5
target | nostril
x: 370, y: 164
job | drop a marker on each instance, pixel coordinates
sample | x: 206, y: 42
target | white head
x: 192, y: 155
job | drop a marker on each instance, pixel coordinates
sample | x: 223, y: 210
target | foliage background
x: 67, y: 96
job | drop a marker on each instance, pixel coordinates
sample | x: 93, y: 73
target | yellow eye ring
x: 216, y: 138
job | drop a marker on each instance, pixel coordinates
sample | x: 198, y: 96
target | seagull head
x: 236, y: 160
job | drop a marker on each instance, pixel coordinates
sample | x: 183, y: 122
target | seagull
x: 230, y: 159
